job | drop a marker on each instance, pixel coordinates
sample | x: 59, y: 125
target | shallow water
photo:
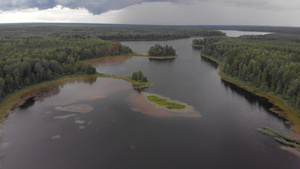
x: 112, y: 135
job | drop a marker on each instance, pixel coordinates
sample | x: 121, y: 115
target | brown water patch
x: 65, y: 116
x: 111, y: 60
x: 4, y: 145
x: 140, y: 103
x: 76, y: 108
x: 56, y: 137
x: 79, y: 122
x: 93, y: 97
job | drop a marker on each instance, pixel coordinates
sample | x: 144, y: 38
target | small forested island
x: 139, y: 80
x: 162, y: 52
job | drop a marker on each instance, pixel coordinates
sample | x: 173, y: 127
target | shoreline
x: 11, y: 102
x: 280, y: 108
x: 161, y: 57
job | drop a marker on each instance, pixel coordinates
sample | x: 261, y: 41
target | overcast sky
x: 174, y: 12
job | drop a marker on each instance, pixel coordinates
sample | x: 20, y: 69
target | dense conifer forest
x: 30, y: 60
x: 270, y: 63
x: 158, y: 50
x: 106, y: 32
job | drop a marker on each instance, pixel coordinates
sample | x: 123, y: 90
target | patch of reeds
x: 281, y: 138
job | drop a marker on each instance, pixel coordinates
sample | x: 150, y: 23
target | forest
x: 270, y: 63
x: 34, y: 53
x: 106, y: 32
x: 158, y: 50
x: 25, y: 61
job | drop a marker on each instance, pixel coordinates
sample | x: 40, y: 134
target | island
x: 159, y: 106
x: 139, y: 80
x: 165, y: 103
x: 159, y: 52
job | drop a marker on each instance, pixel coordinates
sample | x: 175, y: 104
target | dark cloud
x: 94, y: 6
x: 100, y: 6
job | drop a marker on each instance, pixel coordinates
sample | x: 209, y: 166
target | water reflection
x: 210, y: 62
x: 252, y: 98
x: 29, y: 102
x: 162, y: 60
x: 53, y: 89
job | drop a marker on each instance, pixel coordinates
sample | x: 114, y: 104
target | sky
x: 154, y: 12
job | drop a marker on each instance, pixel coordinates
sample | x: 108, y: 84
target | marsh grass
x: 165, y: 103
x: 281, y: 138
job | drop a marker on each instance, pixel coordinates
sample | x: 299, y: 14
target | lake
x: 235, y: 33
x: 97, y: 123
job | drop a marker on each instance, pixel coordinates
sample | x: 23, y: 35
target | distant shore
x: 162, y: 57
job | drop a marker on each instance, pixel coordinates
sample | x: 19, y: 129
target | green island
x: 266, y: 65
x: 164, y: 103
x: 138, y: 80
x: 159, y: 52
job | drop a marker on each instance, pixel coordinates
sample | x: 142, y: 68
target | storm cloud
x: 93, y: 6
x: 101, y: 6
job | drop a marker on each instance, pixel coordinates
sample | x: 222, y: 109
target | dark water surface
x: 110, y: 135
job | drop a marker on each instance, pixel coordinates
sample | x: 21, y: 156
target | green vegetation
x: 106, y: 32
x: 165, y: 103
x: 14, y: 100
x: 31, y: 60
x: 139, y: 80
x: 270, y: 64
x: 161, y: 51
x: 139, y: 76
x: 281, y: 138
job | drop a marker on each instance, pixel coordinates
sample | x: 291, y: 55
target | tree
x: 139, y: 76
x: 159, y: 50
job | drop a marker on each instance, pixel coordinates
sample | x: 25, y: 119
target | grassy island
x: 163, y: 102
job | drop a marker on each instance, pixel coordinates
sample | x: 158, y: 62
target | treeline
x: 31, y: 60
x: 272, y: 67
x: 159, y: 50
x: 200, y: 43
x: 106, y: 32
